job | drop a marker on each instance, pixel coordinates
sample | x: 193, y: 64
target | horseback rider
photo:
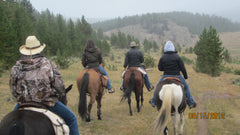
x: 35, y: 79
x: 134, y: 58
x: 172, y: 64
x: 91, y: 58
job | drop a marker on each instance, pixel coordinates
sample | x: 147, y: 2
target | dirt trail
x: 202, y: 123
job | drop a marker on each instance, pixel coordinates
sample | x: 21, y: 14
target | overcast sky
x: 121, y: 8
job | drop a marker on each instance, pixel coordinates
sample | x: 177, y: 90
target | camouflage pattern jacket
x: 36, y: 79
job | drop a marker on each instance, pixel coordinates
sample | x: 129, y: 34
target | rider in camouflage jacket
x: 36, y: 79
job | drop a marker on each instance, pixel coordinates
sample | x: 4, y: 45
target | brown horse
x: 171, y: 102
x: 134, y: 81
x: 90, y: 81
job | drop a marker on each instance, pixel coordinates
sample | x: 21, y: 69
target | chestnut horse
x: 170, y: 101
x: 134, y: 81
x: 27, y: 122
x: 90, y: 81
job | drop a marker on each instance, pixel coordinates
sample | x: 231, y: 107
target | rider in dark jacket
x: 92, y: 58
x: 134, y: 58
x: 171, y: 64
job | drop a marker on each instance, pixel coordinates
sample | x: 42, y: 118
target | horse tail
x: 82, y: 106
x: 165, y: 111
x: 131, y: 84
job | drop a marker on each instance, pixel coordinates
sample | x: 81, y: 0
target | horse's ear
x: 68, y: 88
x: 144, y: 66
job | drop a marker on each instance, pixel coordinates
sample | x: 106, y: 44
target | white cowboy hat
x: 32, y: 46
x: 133, y: 44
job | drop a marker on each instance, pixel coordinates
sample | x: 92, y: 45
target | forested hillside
x: 158, y: 22
x: 19, y: 19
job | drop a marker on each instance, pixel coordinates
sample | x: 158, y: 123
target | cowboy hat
x: 32, y: 46
x: 133, y: 44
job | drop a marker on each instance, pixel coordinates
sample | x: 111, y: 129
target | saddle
x: 103, y: 77
x: 172, y: 78
x: 135, y: 68
x: 59, y: 125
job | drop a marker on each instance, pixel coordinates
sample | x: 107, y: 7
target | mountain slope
x: 180, y: 27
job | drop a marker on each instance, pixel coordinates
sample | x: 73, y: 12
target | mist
x: 108, y: 9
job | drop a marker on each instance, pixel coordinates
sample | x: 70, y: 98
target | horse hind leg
x: 175, y: 120
x: 137, y: 99
x: 89, y: 109
x: 181, y: 123
x: 142, y: 99
x: 89, y: 113
x: 165, y: 131
x: 99, y: 98
x: 129, y: 104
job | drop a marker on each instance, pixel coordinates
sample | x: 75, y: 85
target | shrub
x: 186, y: 60
x: 237, y: 72
x: 62, y: 61
x: 112, y: 67
x: 228, y: 69
x: 149, y: 61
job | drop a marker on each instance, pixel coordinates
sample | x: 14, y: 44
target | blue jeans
x: 190, y: 100
x: 146, y: 80
x: 65, y: 113
x: 103, y: 72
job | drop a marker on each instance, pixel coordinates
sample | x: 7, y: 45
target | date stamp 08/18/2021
x: 206, y: 115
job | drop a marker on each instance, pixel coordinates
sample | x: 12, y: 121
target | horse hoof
x: 88, y: 120
x: 99, y: 118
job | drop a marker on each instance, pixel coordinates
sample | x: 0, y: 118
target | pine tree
x: 227, y: 56
x: 8, y: 46
x: 209, y: 52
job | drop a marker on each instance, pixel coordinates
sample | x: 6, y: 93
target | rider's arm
x: 13, y: 81
x: 56, y: 81
x: 141, y: 57
x: 183, y: 69
x: 160, y: 65
x: 84, y: 63
x: 126, y: 61
x: 100, y: 57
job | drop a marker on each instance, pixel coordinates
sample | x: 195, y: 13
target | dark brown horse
x: 134, y: 82
x: 27, y: 122
x: 170, y: 101
x: 90, y: 81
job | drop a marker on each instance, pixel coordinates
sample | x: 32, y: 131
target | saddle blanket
x: 139, y: 69
x: 59, y: 125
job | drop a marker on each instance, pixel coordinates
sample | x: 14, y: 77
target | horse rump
x: 170, y: 101
x: 26, y: 122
